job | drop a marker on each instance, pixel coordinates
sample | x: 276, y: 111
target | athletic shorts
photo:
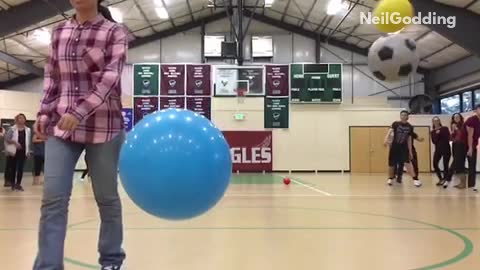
x: 398, y: 155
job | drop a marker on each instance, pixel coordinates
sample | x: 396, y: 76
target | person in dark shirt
x: 472, y: 126
x: 38, y: 157
x: 401, y: 151
x: 17, y: 149
x: 459, y: 146
x: 413, y: 165
x: 441, y: 139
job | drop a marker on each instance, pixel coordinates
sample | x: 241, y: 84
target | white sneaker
x: 417, y: 183
x: 445, y: 184
x: 390, y: 182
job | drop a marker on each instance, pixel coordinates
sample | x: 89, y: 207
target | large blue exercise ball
x: 175, y: 164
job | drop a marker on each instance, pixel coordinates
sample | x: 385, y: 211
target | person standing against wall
x: 17, y: 149
x: 38, y: 157
x: 441, y: 139
x: 472, y: 126
x: 81, y: 110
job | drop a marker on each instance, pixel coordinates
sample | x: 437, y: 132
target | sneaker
x: 417, y: 183
x: 445, y: 184
x: 399, y: 180
x: 19, y: 188
x: 111, y: 267
x: 390, y: 182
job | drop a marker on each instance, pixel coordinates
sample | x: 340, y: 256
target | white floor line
x: 310, y: 187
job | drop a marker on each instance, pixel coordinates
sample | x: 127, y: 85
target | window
x: 467, y: 102
x: 477, y: 97
x: 213, y: 46
x: 450, y: 105
x: 262, y: 46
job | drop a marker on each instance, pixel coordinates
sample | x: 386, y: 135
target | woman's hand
x: 68, y: 122
x: 40, y: 126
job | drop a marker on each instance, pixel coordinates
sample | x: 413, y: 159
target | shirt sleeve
x: 50, y: 82
x: 469, y: 123
x: 9, y: 134
x: 115, y: 57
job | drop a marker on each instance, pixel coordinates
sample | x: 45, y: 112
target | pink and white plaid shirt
x: 82, y: 77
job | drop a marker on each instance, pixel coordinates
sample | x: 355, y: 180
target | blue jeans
x: 60, y: 160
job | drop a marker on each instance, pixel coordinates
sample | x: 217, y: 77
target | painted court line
x: 310, y: 187
x: 320, y: 194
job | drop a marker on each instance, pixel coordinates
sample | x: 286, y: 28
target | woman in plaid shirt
x: 81, y: 110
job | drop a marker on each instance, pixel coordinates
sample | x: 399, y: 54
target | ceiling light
x: 42, y: 35
x: 161, y: 12
x: 158, y: 3
x: 334, y: 6
x: 269, y: 3
x: 116, y: 14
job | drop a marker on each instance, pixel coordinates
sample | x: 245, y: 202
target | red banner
x: 252, y: 151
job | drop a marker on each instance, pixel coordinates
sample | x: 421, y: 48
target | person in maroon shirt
x: 441, y: 139
x: 472, y: 126
x: 459, y: 145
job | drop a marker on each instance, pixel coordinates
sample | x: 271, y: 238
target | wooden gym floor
x: 324, y: 221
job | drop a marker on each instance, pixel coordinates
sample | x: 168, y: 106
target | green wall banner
x: 276, y: 112
x: 145, y: 79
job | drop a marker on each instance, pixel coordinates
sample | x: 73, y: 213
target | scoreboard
x: 316, y: 83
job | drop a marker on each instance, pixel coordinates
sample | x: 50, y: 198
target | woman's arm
x: 36, y: 139
x: 434, y: 136
x: 50, y: 82
x: 110, y: 76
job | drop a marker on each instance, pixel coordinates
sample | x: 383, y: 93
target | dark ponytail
x: 105, y: 11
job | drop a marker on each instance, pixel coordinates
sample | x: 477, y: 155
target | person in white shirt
x: 17, y: 149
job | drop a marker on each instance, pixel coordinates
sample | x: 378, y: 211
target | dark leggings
x: 472, y: 169
x: 14, y: 170
x: 38, y: 162
x: 445, y: 156
x: 458, y: 163
x: 399, y: 167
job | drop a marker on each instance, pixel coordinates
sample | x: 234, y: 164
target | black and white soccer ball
x: 393, y: 57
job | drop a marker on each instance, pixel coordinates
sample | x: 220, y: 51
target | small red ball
x: 286, y: 181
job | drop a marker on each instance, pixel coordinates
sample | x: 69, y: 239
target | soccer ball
x: 393, y: 57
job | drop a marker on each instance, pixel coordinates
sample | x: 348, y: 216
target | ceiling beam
x: 304, y: 32
x: 308, y: 13
x: 29, y: 67
x: 178, y: 29
x: 466, y: 22
x: 17, y: 80
x: 456, y: 70
x: 31, y: 13
x: 38, y: 72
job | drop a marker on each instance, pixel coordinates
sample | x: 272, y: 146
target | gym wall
x: 288, y: 47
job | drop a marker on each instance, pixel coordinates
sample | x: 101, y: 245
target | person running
x: 472, y: 126
x: 81, y: 110
x: 459, y: 147
x: 401, y: 151
x: 38, y: 157
x: 17, y: 149
x: 441, y: 139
